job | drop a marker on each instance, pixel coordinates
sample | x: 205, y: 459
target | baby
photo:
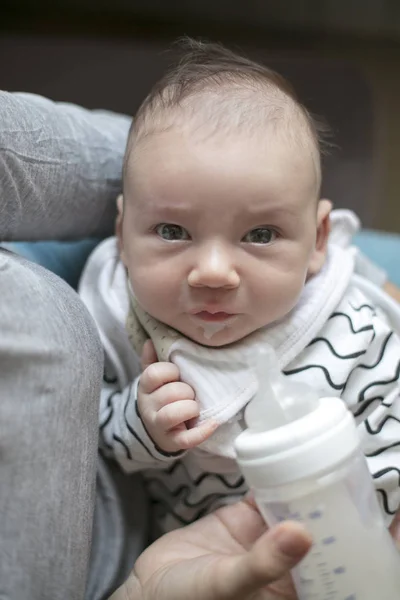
x: 222, y: 247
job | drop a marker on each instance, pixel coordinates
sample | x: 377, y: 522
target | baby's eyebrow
x: 166, y: 209
x: 155, y: 200
x: 273, y: 211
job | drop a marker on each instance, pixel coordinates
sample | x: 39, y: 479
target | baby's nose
x: 214, y: 268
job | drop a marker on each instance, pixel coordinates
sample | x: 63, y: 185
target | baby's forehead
x: 178, y: 163
x: 250, y: 109
x: 241, y: 110
x: 209, y: 124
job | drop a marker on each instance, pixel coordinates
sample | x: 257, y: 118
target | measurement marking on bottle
x: 339, y: 570
x: 329, y: 540
x: 315, y: 514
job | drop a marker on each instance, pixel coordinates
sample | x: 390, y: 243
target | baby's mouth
x: 217, y: 317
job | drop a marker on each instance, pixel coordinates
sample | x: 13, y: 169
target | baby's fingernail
x: 249, y: 498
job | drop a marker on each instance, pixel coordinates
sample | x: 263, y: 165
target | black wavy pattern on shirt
x: 385, y: 502
x: 361, y: 395
x: 125, y: 447
x: 355, y: 331
x: 384, y: 472
x: 159, y: 450
x: 382, y: 492
x: 198, y: 515
x: 376, y: 363
x: 381, y: 425
x: 366, y: 404
x: 111, y: 410
x: 334, y: 352
x: 109, y: 380
x: 130, y: 428
x: 184, y: 491
x: 359, y: 308
x: 380, y: 355
x: 335, y: 386
x: 381, y: 450
x: 179, y: 465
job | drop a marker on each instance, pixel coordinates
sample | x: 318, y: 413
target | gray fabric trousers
x: 50, y: 377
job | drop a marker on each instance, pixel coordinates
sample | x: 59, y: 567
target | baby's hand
x: 166, y: 406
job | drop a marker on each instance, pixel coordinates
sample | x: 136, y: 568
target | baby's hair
x: 216, y: 90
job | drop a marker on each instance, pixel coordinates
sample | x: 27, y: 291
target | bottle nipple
x: 277, y: 401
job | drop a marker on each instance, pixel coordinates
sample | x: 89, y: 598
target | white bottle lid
x: 316, y: 442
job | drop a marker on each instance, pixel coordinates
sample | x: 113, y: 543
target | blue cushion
x: 383, y: 249
x: 66, y: 259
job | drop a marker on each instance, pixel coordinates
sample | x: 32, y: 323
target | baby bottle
x: 301, y: 456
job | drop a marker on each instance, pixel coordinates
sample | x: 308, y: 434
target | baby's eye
x: 260, y: 235
x: 171, y: 232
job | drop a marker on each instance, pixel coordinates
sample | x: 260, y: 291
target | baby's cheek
x: 143, y: 284
x: 283, y: 292
x: 154, y: 288
x: 292, y: 288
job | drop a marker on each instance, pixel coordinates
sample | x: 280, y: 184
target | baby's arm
x: 143, y: 426
x: 373, y: 393
x: 123, y: 436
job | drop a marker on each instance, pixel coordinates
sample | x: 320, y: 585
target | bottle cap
x: 303, y: 448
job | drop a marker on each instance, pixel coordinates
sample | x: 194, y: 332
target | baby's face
x: 219, y: 237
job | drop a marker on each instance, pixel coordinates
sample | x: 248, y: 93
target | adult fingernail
x: 292, y: 541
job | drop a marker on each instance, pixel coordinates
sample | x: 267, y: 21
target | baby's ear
x: 321, y: 244
x: 118, y: 224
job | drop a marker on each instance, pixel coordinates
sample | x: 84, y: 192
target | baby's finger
x: 157, y: 375
x: 149, y: 354
x: 170, y: 393
x: 175, y: 414
x: 190, y: 438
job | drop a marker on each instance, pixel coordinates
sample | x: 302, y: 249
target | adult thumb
x: 271, y: 558
x: 149, y: 354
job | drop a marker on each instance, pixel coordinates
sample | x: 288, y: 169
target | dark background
x: 342, y: 57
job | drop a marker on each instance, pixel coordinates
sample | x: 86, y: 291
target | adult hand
x: 227, y: 555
